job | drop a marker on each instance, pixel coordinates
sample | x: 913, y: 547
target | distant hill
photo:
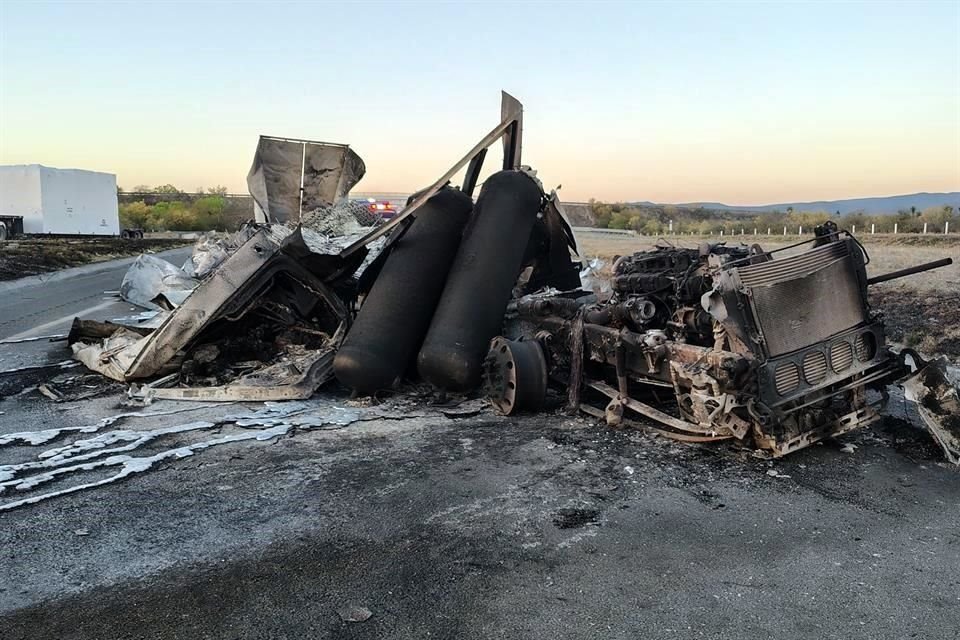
x: 879, y: 205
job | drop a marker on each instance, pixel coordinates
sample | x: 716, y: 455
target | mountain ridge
x: 871, y: 205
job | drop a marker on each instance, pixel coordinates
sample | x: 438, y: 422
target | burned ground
x: 925, y: 320
x: 19, y: 258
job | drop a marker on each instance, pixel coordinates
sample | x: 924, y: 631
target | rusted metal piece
x: 642, y: 408
x: 938, y: 405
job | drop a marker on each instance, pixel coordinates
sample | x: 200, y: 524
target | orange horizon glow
x: 743, y: 104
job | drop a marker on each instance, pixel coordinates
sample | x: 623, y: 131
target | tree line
x: 203, y: 213
x: 656, y: 219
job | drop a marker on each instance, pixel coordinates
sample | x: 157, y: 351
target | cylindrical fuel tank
x: 395, y: 316
x: 475, y: 297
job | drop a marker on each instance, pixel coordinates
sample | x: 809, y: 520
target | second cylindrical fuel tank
x: 475, y: 297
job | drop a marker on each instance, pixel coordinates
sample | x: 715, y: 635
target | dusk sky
x: 740, y: 103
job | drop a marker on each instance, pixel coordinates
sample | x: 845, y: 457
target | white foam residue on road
x: 130, y: 465
x: 86, y: 450
x: 34, y: 438
x: 114, y: 448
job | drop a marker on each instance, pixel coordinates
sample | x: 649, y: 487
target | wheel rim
x: 515, y: 375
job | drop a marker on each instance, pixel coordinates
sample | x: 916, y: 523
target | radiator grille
x: 804, y: 299
x: 814, y: 367
x: 841, y: 356
x: 786, y: 377
x: 791, y: 267
x: 865, y: 346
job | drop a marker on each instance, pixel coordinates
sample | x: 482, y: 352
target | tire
x: 139, y: 235
x: 125, y: 234
x: 3, y: 231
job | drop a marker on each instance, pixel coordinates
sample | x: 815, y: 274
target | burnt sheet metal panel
x: 274, y: 178
x: 470, y: 312
x: 329, y: 172
x: 806, y: 298
x: 289, y: 177
x: 395, y: 316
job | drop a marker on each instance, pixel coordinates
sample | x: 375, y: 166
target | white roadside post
x: 894, y: 228
x: 873, y: 228
x: 946, y: 227
x: 853, y: 229
x: 768, y: 231
x: 800, y: 233
x: 784, y: 231
x: 924, y: 228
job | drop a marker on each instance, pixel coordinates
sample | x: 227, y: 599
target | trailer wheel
x: 140, y: 235
x: 3, y: 231
x: 125, y: 234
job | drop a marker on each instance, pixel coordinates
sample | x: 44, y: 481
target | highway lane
x: 47, y: 306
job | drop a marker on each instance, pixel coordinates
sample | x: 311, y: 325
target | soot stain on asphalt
x: 575, y: 518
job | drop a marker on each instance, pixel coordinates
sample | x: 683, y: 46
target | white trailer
x: 58, y: 201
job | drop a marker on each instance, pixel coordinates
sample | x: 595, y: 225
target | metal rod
x: 909, y: 271
x: 495, y: 134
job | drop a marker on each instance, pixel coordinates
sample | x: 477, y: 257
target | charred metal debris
x: 773, y: 349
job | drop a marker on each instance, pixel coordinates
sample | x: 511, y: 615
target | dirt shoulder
x: 29, y: 257
x: 928, y: 321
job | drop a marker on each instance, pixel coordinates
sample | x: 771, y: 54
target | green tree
x: 134, y: 215
x: 166, y: 188
x: 209, y: 212
x: 620, y: 220
x: 652, y: 227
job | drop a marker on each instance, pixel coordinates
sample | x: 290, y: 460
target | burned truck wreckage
x: 775, y: 350
x: 777, y: 353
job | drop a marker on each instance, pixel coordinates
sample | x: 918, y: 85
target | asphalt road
x: 475, y: 527
x: 487, y: 527
x: 46, y: 304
